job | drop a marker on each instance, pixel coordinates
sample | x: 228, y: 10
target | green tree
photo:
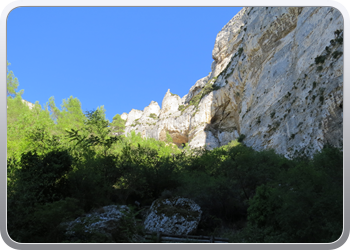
x: 117, y: 125
x: 96, y: 132
x: 96, y: 122
x: 51, y: 106
x: 168, y: 137
x: 40, y: 179
x: 12, y: 84
x: 70, y: 115
x: 23, y: 121
x: 304, y: 204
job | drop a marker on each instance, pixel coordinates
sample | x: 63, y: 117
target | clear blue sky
x: 119, y: 57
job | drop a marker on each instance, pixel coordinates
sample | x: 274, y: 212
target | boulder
x: 173, y: 216
x: 104, y: 221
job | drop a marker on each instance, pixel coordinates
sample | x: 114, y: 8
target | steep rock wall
x: 277, y: 78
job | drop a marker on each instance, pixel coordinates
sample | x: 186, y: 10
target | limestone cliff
x: 277, y: 78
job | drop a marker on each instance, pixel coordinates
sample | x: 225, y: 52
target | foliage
x: 208, y: 87
x: 62, y: 163
x: 240, y: 51
x: 37, y: 180
x: 304, y: 203
x: 242, y: 136
x: 42, y: 178
x: 95, y: 133
x: 23, y: 122
x: 42, y: 223
x: 129, y: 226
x: 181, y: 108
x: 319, y: 68
x: 12, y: 84
x: 336, y: 54
x: 168, y: 137
x: 153, y: 115
x: 173, y: 94
x: 320, y: 59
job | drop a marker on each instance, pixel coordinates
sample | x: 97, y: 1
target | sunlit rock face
x: 152, y: 110
x: 277, y: 78
x: 132, y: 116
x: 124, y: 116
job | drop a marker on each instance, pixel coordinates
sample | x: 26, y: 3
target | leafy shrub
x: 336, y: 54
x: 321, y: 99
x: 217, y: 200
x: 128, y: 227
x: 42, y: 222
x: 42, y: 178
x: 337, y: 33
x: 240, y: 51
x: 91, y: 183
x: 304, y: 203
x: 339, y: 40
x: 195, y: 100
x: 181, y: 108
x: 153, y: 115
x: 168, y: 137
x: 209, y: 87
x: 320, y: 59
x: 241, y: 137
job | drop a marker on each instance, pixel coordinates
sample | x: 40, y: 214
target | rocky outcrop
x: 104, y: 221
x: 133, y: 116
x: 277, y: 78
x: 124, y: 116
x: 173, y: 216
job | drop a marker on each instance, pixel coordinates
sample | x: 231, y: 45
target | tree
x: 70, y: 115
x: 22, y: 122
x: 96, y: 122
x: 12, y: 84
x: 304, y: 204
x: 51, y: 106
x: 118, y: 125
x: 96, y: 132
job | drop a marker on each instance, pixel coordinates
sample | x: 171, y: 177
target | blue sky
x: 119, y: 57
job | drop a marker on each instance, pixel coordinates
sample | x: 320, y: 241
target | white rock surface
x: 272, y: 90
x: 173, y: 216
x: 124, y: 116
x: 170, y: 104
x: 105, y: 220
x: 29, y: 104
x: 152, y: 108
x: 132, y: 116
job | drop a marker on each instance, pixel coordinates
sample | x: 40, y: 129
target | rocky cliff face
x: 277, y: 78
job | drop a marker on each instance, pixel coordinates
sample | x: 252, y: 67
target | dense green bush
x: 303, y: 203
x: 41, y: 179
x: 41, y: 223
x: 320, y: 59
